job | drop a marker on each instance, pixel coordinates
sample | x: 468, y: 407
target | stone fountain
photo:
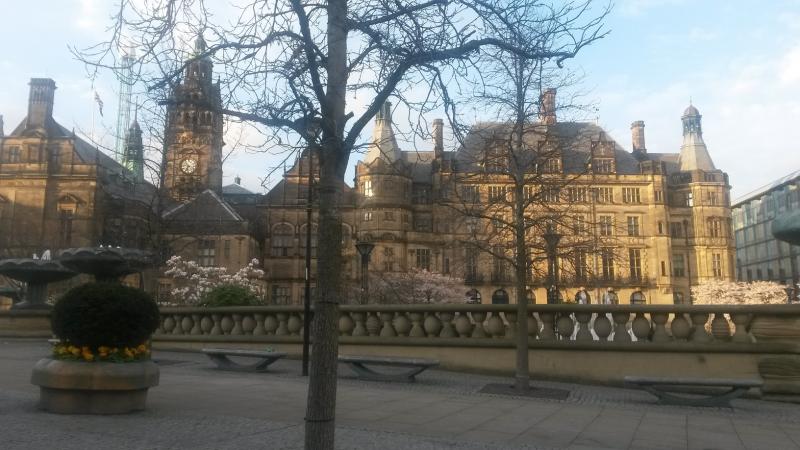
x: 106, y: 263
x: 37, y: 274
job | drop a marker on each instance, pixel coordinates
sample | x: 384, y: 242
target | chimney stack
x: 637, y: 136
x: 40, y: 102
x: 547, y: 107
x: 438, y: 140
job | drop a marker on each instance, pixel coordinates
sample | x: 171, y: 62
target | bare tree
x: 288, y: 64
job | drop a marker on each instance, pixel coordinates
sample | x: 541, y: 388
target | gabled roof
x: 573, y: 139
x: 207, y: 206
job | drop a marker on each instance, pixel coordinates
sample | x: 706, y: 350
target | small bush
x: 230, y: 295
x: 105, y: 314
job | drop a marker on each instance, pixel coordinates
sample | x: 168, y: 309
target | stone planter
x: 75, y: 387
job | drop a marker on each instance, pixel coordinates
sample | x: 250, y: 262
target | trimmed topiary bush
x: 230, y: 295
x: 103, y: 314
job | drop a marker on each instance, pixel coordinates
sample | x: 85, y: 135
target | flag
x: 99, y: 102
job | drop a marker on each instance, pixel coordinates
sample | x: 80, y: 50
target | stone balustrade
x: 562, y: 324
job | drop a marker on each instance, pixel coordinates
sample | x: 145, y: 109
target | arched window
x: 473, y: 296
x: 313, y: 238
x: 346, y: 234
x: 500, y: 297
x: 637, y: 298
x: 282, y: 240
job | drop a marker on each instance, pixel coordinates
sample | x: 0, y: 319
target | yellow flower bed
x: 65, y: 350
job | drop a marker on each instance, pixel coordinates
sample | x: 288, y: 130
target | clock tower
x: 194, y: 131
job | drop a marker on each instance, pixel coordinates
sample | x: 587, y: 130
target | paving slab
x: 197, y: 407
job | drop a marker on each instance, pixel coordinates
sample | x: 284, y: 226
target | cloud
x: 749, y: 107
x: 89, y: 15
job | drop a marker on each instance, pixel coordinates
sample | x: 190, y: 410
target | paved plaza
x: 197, y: 407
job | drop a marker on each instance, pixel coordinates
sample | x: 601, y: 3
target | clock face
x: 189, y: 165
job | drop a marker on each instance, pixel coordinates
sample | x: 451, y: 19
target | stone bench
x: 221, y: 357
x: 359, y: 365
x: 664, y: 389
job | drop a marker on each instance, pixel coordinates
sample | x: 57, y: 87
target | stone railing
x: 470, y: 323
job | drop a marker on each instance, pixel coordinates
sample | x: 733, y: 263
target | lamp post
x: 364, y: 249
x: 313, y: 132
x: 551, y: 239
x: 790, y: 295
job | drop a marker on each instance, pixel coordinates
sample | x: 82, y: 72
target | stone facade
x: 653, y: 223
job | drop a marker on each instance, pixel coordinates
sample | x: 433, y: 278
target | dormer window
x: 603, y: 165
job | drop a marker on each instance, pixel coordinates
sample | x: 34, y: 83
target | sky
x: 737, y: 60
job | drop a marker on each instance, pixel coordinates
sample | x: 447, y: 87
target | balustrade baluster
x: 360, y: 328
x: 621, y: 326
x: 271, y: 324
x: 178, y: 328
x: 186, y: 324
x: 294, y: 324
x: 602, y: 326
x: 740, y: 333
x: 259, y: 330
x: 660, y: 327
x: 248, y: 324
x: 584, y: 333
x: 346, y: 324
x: 433, y: 324
x: 416, y: 325
x: 237, y: 325
x: 167, y: 324
x: 206, y: 324
x: 401, y: 324
x: 463, y: 325
x: 548, y: 332
x: 387, y: 330
x: 478, y: 331
x: 446, y: 320
x: 216, y: 329
x: 641, y: 327
x: 680, y: 327
x: 565, y: 326
x: 373, y: 324
x: 699, y: 333
x: 195, y: 325
x: 495, y: 326
x: 226, y: 324
x: 283, y: 328
x: 720, y: 328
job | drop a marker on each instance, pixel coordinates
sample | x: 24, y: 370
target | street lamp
x: 790, y: 295
x: 364, y: 249
x: 551, y: 239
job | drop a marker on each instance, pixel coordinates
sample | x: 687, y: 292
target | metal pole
x: 364, y: 279
x: 688, y: 258
x: 307, y: 299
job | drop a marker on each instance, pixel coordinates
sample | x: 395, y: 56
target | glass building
x: 759, y: 256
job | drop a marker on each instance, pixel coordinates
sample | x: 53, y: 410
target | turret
x: 694, y: 154
x: 384, y: 144
x: 133, y: 158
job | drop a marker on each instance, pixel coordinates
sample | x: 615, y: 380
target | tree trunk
x: 321, y: 407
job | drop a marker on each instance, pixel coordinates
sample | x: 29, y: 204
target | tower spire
x: 384, y: 144
x: 694, y: 154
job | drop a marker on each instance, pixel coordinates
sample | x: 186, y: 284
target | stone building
x: 666, y: 214
x: 653, y: 224
x: 759, y: 256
